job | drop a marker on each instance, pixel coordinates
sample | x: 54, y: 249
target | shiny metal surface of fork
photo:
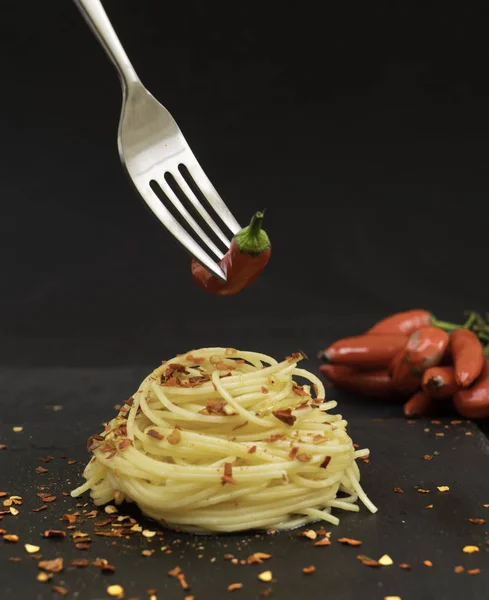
x: 151, y: 145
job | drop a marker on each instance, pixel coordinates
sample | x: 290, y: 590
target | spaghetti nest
x: 220, y: 440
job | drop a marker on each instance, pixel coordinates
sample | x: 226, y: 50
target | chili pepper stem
x: 252, y: 239
x: 445, y: 325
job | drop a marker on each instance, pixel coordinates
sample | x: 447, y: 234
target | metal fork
x: 154, y: 151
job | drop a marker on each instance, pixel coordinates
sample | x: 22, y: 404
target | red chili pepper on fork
x: 244, y: 261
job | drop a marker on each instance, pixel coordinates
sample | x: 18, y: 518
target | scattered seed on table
x: 116, y: 591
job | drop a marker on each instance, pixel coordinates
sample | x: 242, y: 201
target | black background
x: 362, y: 127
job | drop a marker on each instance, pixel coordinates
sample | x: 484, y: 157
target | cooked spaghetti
x: 220, y: 440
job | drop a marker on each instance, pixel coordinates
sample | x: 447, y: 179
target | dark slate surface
x: 403, y: 527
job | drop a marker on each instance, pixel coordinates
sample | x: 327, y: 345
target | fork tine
x: 186, y: 189
x: 170, y: 194
x: 210, y: 192
x: 178, y: 231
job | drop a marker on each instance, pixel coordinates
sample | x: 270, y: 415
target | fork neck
x: 98, y: 21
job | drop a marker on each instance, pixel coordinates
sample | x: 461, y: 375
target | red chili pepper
x: 365, y: 351
x: 368, y: 383
x: 404, y: 322
x: 468, y: 356
x: 418, y: 405
x: 424, y: 349
x: 439, y: 382
x: 247, y: 257
x: 473, y: 403
x: 403, y: 380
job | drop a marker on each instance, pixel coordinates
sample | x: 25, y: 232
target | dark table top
x: 404, y: 528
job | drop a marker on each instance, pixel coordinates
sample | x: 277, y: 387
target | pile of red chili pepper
x: 414, y: 357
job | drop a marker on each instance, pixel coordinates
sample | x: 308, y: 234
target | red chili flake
x: 318, y: 400
x: 80, y: 562
x: 3, y: 446
x: 295, y: 356
x: 40, y: 470
x: 3, y: 494
x: 473, y: 572
x: 124, y: 444
x: 318, y: 439
x: 228, y: 474
x: 174, y: 572
x: 183, y: 581
x: 405, y: 566
x: 82, y: 546
x: 323, y: 542
x: 234, y: 586
x: 303, y: 457
x: 309, y: 570
x: 285, y: 415
x: 39, y: 508
x: 293, y: 452
x: 428, y: 456
x: 15, y: 559
x: 349, y: 541
x: 459, y: 569
x: 264, y: 389
x: 429, y: 506
x: 325, y: 463
x: 46, y: 459
x: 428, y: 563
x: 275, y: 437
x: 54, y: 533
x: 92, y: 514
x: 302, y: 405
x: 155, y: 434
x: 215, y: 407
x: 46, y: 497
x: 252, y: 450
x: 195, y: 359
x: 72, y: 462
x: 422, y: 491
x: 240, y: 425
x: 10, y: 537
x: 477, y: 521
x: 224, y: 367
x: 102, y: 523
x: 399, y: 490
x: 51, y: 566
x: 370, y: 562
x: 299, y: 391
x: 59, y: 589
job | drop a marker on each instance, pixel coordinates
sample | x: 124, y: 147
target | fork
x: 157, y: 157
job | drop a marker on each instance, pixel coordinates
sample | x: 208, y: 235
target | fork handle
x: 98, y: 21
